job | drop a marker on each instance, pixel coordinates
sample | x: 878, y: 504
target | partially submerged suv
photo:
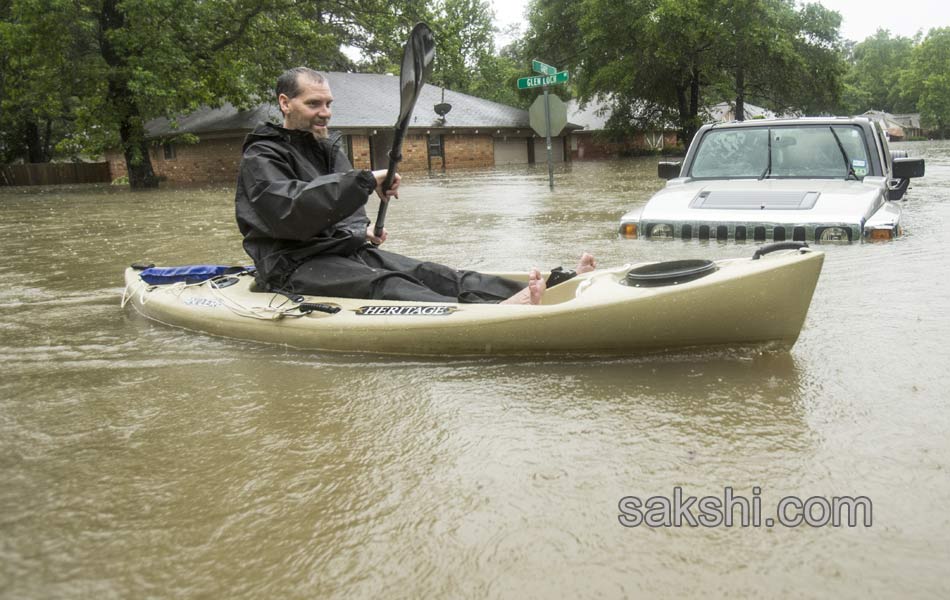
x: 806, y: 179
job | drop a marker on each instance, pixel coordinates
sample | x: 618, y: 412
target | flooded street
x: 142, y: 460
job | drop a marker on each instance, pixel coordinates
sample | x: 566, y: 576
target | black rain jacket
x: 298, y: 197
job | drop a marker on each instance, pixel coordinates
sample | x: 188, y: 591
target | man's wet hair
x: 287, y: 82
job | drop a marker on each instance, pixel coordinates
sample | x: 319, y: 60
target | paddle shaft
x: 395, y: 155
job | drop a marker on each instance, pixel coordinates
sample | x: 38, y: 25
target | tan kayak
x: 632, y: 309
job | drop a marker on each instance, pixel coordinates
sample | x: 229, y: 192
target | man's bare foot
x: 586, y: 264
x: 531, y: 294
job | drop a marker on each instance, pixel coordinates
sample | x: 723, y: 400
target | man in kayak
x: 300, y: 206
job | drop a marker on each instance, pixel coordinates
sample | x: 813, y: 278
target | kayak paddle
x: 417, y: 58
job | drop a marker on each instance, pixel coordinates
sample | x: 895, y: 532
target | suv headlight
x: 834, y: 234
x: 661, y: 230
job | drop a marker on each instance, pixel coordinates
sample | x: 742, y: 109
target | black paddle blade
x: 417, y: 59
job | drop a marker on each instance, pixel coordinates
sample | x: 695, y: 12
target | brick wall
x: 116, y: 164
x: 214, y: 160
x: 415, y: 153
x: 208, y: 161
x: 468, y: 151
x: 359, y: 145
x: 593, y: 146
x: 415, y: 149
x: 217, y: 160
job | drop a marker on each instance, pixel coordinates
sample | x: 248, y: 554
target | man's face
x: 310, y: 109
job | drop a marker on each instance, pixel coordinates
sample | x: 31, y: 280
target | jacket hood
x: 271, y: 131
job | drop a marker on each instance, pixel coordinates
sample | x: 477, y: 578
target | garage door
x: 513, y: 151
x: 541, y: 150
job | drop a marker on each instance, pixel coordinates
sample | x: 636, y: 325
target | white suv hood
x: 769, y: 200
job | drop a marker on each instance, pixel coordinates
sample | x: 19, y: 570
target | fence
x: 54, y: 173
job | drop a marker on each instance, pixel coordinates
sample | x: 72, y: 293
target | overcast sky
x: 860, y: 19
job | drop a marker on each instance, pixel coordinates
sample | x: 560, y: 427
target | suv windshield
x: 808, y: 151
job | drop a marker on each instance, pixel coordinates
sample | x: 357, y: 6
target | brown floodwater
x: 139, y: 460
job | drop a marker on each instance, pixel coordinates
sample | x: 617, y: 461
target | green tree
x: 874, y: 74
x: 656, y: 61
x: 497, y: 78
x: 40, y: 82
x: 141, y: 59
x: 928, y: 78
x: 815, y: 86
x: 465, y: 59
x: 464, y: 34
x: 784, y: 58
x: 649, y: 59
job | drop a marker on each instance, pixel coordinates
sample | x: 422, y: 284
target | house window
x: 437, y: 149
x: 169, y: 151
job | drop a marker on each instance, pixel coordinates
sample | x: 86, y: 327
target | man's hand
x: 376, y: 239
x: 392, y: 192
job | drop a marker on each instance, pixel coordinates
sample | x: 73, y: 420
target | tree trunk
x: 694, y: 89
x: 138, y: 163
x: 131, y: 126
x: 683, y: 107
x: 48, y: 140
x: 34, y: 144
x: 740, y: 94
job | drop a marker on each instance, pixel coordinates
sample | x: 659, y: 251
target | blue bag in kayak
x: 188, y: 273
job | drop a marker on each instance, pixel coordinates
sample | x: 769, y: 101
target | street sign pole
x: 547, y: 134
x: 547, y: 76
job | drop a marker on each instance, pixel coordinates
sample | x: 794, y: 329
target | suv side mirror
x: 905, y: 168
x: 668, y: 170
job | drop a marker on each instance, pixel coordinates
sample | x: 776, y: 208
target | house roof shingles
x: 360, y: 101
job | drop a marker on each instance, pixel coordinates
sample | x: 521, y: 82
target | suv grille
x: 751, y: 233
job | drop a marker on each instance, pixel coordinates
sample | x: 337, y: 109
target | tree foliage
x: 43, y: 73
x: 80, y: 76
x: 875, y: 70
x: 466, y: 60
x: 88, y: 74
x: 928, y: 79
x: 655, y: 61
x: 787, y: 59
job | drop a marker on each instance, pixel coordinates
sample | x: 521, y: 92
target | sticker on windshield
x: 860, y: 167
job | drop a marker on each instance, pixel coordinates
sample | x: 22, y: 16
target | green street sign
x: 539, y: 80
x: 539, y: 67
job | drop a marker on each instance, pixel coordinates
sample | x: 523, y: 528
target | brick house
x: 898, y: 127
x: 591, y: 140
x: 474, y: 133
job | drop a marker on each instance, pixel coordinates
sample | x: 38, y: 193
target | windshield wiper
x: 768, y: 167
x: 844, y: 155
